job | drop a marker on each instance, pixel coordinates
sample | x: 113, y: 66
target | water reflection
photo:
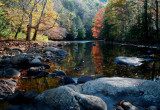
x: 97, y: 60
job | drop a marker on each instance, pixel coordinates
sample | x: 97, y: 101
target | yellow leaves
x: 1, y: 4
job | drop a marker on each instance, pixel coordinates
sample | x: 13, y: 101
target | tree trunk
x: 18, y: 30
x: 157, y: 28
x: 35, y: 34
x: 28, y: 33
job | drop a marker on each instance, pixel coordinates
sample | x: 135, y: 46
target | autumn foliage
x: 98, y: 25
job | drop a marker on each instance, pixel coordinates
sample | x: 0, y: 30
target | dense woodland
x: 113, y: 20
x: 131, y: 20
x: 31, y: 18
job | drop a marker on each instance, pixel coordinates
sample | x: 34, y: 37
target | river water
x: 96, y: 59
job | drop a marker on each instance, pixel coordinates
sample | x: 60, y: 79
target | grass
x: 22, y: 36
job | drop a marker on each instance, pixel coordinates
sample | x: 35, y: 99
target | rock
x: 43, y: 74
x: 6, y: 61
x: 34, y: 51
x: 20, y: 60
x: 51, y: 49
x: 61, y: 52
x: 2, y: 74
x: 66, y: 80
x: 65, y: 98
x: 16, y: 98
x: 129, y: 106
x: 29, y: 96
x: 132, y: 61
x: 52, y: 75
x: 152, y: 108
x: 46, y: 66
x: 14, y: 52
x: 119, y: 108
x: 48, y: 53
x: 7, y: 87
x: 12, y: 73
x: 59, y: 73
x: 31, y: 72
x: 59, y: 45
x: 143, y: 89
x: 19, y: 49
x: 84, y: 79
x: 36, y: 61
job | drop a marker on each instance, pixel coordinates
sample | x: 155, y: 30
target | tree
x: 98, y: 25
x: 74, y: 31
x: 81, y: 29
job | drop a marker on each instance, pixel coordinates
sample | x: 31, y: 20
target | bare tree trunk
x: 28, y: 33
x: 37, y: 26
x: 35, y: 34
x: 18, y: 30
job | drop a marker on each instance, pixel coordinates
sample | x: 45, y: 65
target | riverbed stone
x: 16, y: 98
x: 129, y: 106
x: 84, y: 79
x: 29, y: 96
x: 20, y: 60
x: 59, y: 72
x: 65, y: 98
x: 61, y: 52
x: 7, y: 88
x: 66, y: 80
x: 52, y: 49
x: 12, y: 73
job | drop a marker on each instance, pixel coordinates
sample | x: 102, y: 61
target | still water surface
x: 96, y: 59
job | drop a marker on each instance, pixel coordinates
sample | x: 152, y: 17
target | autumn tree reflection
x: 96, y: 51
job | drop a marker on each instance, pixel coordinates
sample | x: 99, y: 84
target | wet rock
x: 129, y: 106
x: 6, y: 61
x: 29, y: 96
x: 61, y: 52
x: 36, y: 61
x: 152, y: 108
x: 84, y: 79
x: 16, y: 98
x: 19, y: 49
x: 12, y: 73
x: 66, y: 80
x: 34, y: 51
x: 119, y: 108
x: 52, y: 49
x: 20, y: 60
x: 2, y: 74
x: 46, y: 66
x: 65, y: 98
x: 7, y: 87
x: 52, y: 75
x: 31, y: 72
x: 59, y: 45
x: 43, y: 74
x: 48, y: 53
x: 59, y: 73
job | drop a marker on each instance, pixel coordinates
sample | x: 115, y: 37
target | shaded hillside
x: 77, y: 16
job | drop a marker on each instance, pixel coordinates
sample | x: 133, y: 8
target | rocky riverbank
x: 30, y: 60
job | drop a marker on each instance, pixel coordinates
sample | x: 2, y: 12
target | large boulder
x: 61, y: 52
x: 144, y: 89
x: 20, y: 60
x: 12, y: 73
x: 7, y: 88
x: 65, y: 98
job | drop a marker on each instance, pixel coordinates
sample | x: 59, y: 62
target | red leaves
x: 98, y: 25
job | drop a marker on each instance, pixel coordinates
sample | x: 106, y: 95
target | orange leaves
x: 98, y: 25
